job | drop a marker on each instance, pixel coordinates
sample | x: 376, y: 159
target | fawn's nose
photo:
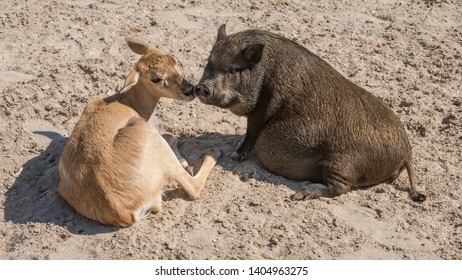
x: 187, y: 88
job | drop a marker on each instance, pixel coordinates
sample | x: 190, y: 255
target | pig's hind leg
x: 312, y: 191
x: 316, y: 190
x: 335, y: 184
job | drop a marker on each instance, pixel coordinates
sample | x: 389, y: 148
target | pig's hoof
x: 238, y: 156
x: 298, y: 196
x: 305, y: 194
x: 215, y: 153
x: 302, y: 194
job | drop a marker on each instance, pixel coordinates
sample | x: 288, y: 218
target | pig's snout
x: 202, y: 90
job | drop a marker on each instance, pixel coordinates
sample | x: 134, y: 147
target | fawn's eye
x: 156, y: 79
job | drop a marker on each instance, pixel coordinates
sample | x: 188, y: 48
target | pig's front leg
x: 254, y: 125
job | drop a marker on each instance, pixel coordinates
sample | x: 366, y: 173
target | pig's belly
x: 294, y: 160
x: 303, y: 166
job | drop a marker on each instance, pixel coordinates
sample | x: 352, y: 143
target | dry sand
x: 56, y: 56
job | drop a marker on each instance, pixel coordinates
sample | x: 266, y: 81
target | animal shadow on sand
x: 250, y: 168
x: 34, y: 197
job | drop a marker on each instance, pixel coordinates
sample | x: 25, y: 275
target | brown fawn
x: 115, y: 165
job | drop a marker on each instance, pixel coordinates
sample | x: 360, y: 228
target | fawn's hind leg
x: 194, y: 185
x: 173, y: 143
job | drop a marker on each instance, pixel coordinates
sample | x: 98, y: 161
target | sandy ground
x: 56, y: 56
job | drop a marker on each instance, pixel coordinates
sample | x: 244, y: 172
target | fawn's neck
x: 140, y: 99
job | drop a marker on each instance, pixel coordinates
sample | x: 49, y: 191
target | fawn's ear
x: 130, y: 81
x: 137, y: 46
x: 140, y: 47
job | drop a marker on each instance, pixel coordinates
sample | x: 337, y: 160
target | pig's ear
x: 253, y: 53
x: 221, y: 32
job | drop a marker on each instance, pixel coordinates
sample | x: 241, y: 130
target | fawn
x: 115, y: 165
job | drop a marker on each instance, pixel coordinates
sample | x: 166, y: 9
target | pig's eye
x: 233, y: 71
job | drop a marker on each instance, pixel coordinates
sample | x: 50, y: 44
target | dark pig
x: 305, y: 121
